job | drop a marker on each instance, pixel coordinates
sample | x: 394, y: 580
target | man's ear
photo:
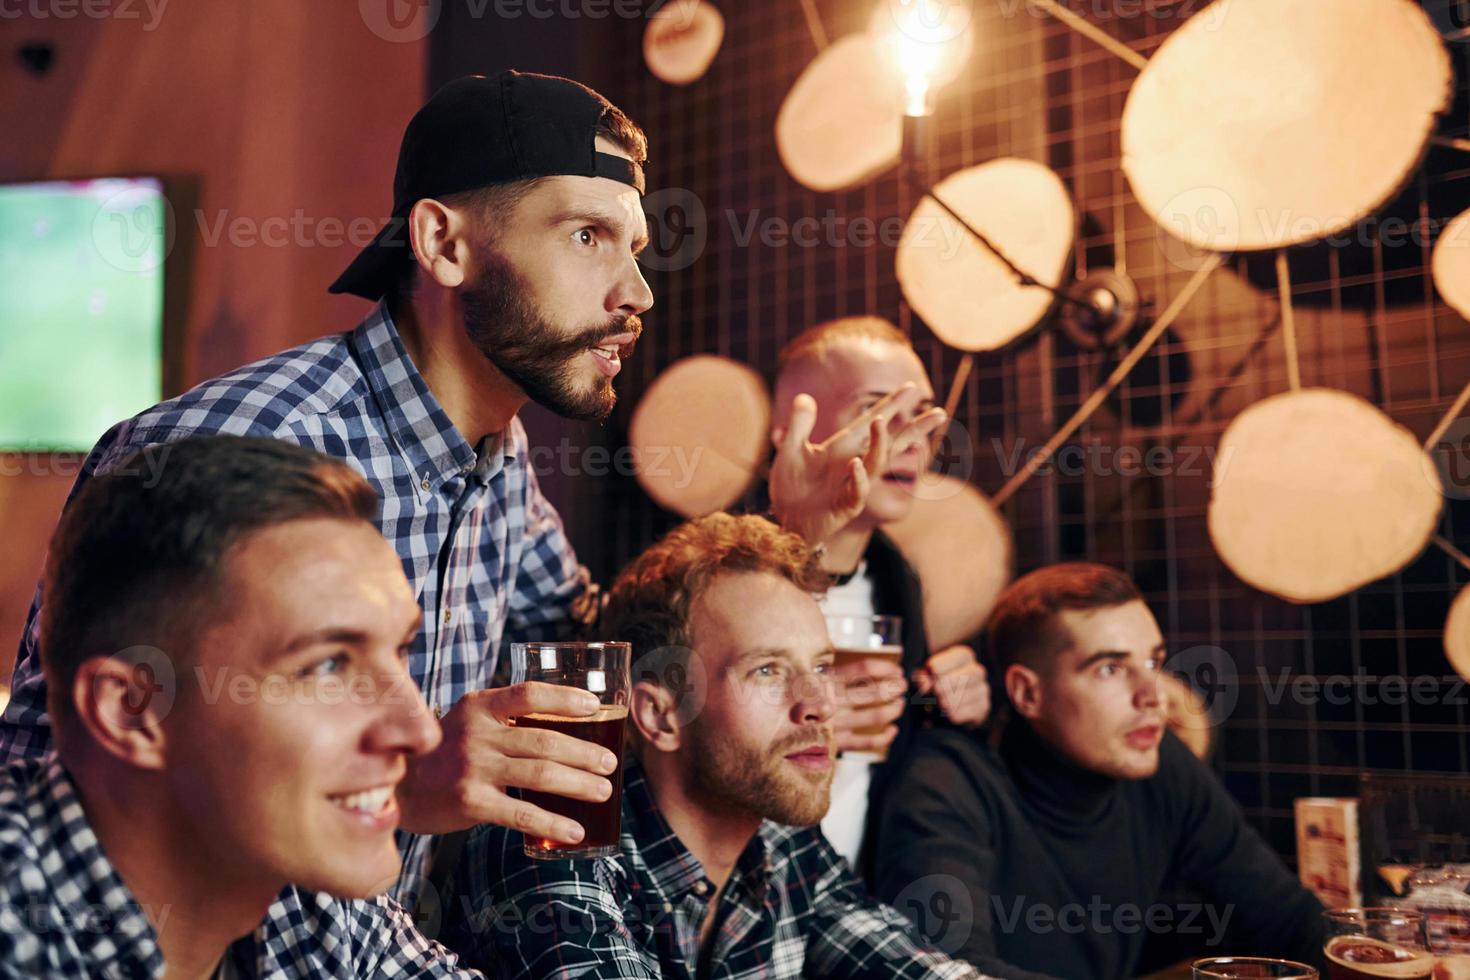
x: 655, y: 710
x: 1023, y: 687
x: 122, y: 705
x: 781, y: 398
x: 437, y: 234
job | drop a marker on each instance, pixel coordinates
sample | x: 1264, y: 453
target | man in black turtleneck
x: 1049, y: 853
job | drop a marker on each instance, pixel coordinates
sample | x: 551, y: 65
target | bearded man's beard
x: 758, y: 781
x: 534, y: 353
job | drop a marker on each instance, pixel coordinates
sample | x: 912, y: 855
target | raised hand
x: 819, y: 488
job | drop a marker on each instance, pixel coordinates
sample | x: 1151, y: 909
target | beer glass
x: 857, y: 638
x: 1373, y: 943
x: 1236, y: 967
x: 603, y: 669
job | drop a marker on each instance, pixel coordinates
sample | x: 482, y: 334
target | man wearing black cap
x: 508, y: 273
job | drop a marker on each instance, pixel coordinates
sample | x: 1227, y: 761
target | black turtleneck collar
x: 1068, y: 798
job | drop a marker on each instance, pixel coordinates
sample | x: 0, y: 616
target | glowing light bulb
x: 916, y: 95
x: 925, y: 45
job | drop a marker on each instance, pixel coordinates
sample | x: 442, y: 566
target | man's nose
x: 404, y: 722
x: 1148, y: 693
x: 632, y: 295
x: 816, y: 699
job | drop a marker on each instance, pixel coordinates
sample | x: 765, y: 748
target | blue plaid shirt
x: 483, y: 549
x: 65, y: 912
x: 792, y: 908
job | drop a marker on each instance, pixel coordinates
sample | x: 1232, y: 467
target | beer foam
x: 606, y: 712
x: 1416, y: 963
x: 883, y: 651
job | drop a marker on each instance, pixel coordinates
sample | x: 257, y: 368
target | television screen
x: 81, y: 308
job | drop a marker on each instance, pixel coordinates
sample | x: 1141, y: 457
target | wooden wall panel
x: 268, y: 111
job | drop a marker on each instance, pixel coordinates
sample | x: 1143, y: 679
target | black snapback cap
x: 477, y: 131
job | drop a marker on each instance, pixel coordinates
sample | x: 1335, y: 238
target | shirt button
x: 700, y: 888
x: 448, y: 616
x: 424, y: 483
x: 668, y: 907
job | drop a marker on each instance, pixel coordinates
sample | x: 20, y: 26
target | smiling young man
x: 722, y: 871
x: 225, y: 639
x: 832, y: 373
x: 1051, y: 853
x: 508, y: 273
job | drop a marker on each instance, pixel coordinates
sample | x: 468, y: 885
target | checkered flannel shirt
x: 792, y: 908
x: 482, y: 547
x: 65, y: 912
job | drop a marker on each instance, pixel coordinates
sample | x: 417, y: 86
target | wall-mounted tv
x: 81, y: 308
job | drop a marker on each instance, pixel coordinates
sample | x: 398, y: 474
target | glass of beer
x: 1366, y: 944
x: 857, y: 638
x: 1237, y: 967
x: 601, y: 668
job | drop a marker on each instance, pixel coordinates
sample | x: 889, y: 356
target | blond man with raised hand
x: 829, y: 376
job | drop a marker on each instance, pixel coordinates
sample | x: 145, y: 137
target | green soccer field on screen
x: 81, y: 309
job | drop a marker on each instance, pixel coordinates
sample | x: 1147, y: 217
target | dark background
x: 1368, y: 322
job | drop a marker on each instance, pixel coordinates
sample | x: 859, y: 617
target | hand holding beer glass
x: 1369, y: 943
x: 601, y: 669
x: 869, y: 673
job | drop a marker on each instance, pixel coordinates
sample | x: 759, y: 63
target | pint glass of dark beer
x: 1373, y: 943
x: 603, y: 669
x: 1235, y: 967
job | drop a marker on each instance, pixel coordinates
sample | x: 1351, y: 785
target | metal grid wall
x: 1368, y: 322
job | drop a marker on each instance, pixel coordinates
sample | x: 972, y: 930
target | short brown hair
x: 140, y: 554
x: 813, y: 343
x: 648, y: 605
x: 615, y: 127
x: 1023, y: 626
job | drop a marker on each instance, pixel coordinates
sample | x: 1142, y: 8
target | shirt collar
x: 497, y: 451
x: 1063, y: 794
x: 417, y: 423
x: 109, y: 926
x: 675, y: 871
